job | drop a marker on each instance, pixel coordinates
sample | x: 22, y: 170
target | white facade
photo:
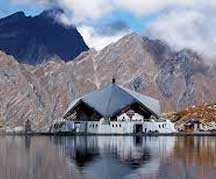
x: 123, y: 125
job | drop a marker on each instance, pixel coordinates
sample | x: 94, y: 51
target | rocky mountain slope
x: 206, y: 114
x: 177, y: 79
x: 32, y: 40
x: 41, y: 93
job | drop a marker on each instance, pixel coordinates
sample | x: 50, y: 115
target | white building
x: 113, y: 110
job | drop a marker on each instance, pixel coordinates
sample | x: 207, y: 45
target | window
x: 119, y: 125
x: 96, y: 125
x: 113, y: 125
x: 159, y: 126
x: 55, y: 126
x: 116, y: 125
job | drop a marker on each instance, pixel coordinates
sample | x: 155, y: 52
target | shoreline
x: 84, y: 134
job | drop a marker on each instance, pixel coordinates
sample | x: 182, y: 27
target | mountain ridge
x: 32, y: 40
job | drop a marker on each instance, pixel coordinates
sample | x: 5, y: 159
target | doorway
x: 138, y: 129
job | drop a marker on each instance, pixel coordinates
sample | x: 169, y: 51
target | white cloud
x: 94, y: 9
x: 30, y: 2
x: 83, y: 10
x: 188, y: 28
x: 182, y: 23
x: 98, y: 41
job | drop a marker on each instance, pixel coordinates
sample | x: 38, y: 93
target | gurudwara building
x: 113, y: 110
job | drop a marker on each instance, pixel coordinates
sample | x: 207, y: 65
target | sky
x: 180, y: 23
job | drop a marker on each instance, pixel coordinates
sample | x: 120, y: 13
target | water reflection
x: 193, y: 157
x: 103, y: 157
x: 116, y: 156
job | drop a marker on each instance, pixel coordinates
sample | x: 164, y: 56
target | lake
x: 107, y: 157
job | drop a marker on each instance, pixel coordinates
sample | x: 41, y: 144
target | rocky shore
x: 205, y: 114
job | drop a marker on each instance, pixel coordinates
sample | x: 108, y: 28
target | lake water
x: 107, y: 157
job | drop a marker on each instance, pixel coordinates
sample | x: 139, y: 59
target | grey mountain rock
x: 43, y: 92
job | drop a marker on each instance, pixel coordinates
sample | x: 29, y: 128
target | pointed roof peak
x: 113, y: 98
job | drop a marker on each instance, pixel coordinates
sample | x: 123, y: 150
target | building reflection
x: 115, y: 156
x: 27, y: 141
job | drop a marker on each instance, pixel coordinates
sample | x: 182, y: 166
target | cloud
x: 147, y: 7
x: 192, y: 28
x: 111, y: 28
x: 76, y: 10
x: 181, y: 23
x: 97, y: 40
x: 82, y: 10
x: 33, y: 2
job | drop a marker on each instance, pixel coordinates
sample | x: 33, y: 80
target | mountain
x: 32, y: 40
x: 41, y: 93
x: 177, y: 78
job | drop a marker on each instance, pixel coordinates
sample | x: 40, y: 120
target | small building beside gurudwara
x: 115, y: 110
